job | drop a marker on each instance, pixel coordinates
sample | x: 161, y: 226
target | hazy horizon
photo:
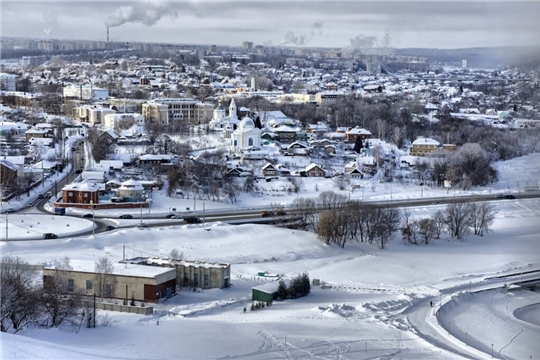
x: 339, y: 24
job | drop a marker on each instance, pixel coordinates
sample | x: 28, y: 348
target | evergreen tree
x: 306, y: 285
x: 358, y: 145
x: 258, y: 124
x: 282, y: 291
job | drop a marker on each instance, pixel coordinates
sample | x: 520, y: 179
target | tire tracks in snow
x: 508, y: 318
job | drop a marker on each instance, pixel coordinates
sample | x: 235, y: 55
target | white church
x: 221, y: 122
x: 245, y: 136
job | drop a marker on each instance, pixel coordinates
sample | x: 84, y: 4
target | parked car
x: 176, y: 217
x: 41, y: 196
x: 126, y: 216
x: 9, y: 210
x: 109, y: 228
x: 89, y: 215
x: 511, y: 197
x: 193, y: 220
x: 141, y: 225
x: 50, y: 236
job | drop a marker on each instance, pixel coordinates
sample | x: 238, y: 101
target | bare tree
x: 409, y: 228
x: 18, y: 299
x: 306, y: 210
x: 103, y: 268
x: 176, y: 255
x: 59, y: 302
x: 482, y: 217
x: 439, y: 221
x: 427, y: 230
x: 458, y: 220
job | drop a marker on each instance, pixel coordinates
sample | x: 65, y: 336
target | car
x: 176, y: 217
x: 9, y: 210
x: 141, y: 225
x: 511, y: 197
x: 73, y: 149
x: 78, y: 171
x: 89, y: 215
x: 31, y: 204
x: 126, y: 216
x: 50, y: 236
x: 109, y: 228
x: 41, y: 196
x: 266, y: 214
x: 193, y: 220
x: 169, y: 216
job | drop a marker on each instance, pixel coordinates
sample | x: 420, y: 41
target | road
x: 423, y: 318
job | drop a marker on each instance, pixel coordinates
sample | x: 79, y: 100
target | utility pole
x: 203, y: 217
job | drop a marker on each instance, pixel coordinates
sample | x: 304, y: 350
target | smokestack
x: 107, y: 34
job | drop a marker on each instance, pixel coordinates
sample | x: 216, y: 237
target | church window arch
x: 250, y: 142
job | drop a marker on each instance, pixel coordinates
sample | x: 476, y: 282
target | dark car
x: 50, y: 236
x: 41, y: 196
x: 141, y: 225
x: 193, y: 220
x: 511, y: 197
x: 9, y: 210
x: 126, y: 216
x: 109, y: 228
x: 170, y: 216
x: 89, y: 215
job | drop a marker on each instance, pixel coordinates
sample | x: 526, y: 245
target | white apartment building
x: 92, y: 114
x: 8, y: 82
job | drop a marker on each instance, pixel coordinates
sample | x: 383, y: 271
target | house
x: 285, y: 133
x: 8, y: 173
x: 269, y: 170
x: 282, y: 170
x: 317, y: 129
x: 330, y: 149
x: 109, y: 136
x: 314, y: 170
x: 298, y: 148
x: 36, y: 134
x: 151, y: 159
x: 235, y: 172
x: 423, y: 146
x: 354, y: 133
x: 80, y: 193
x: 125, y: 281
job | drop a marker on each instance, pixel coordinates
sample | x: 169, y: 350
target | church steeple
x: 232, y: 110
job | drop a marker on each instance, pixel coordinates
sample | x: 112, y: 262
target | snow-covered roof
x: 425, y: 141
x: 82, y: 186
x: 269, y: 287
x: 359, y: 131
x: 132, y: 185
x: 312, y: 166
x: 148, y: 157
x: 120, y: 269
x: 9, y: 164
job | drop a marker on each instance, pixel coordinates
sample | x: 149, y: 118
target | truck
x: 48, y: 194
x: 59, y: 211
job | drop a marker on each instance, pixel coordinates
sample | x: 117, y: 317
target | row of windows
x: 196, y: 279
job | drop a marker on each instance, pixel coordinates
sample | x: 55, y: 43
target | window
x: 235, y: 143
x: 107, y: 290
x: 70, y: 194
x: 88, y: 284
x: 250, y: 142
x: 85, y: 195
x: 70, y: 285
x: 196, y: 279
x: 205, y: 279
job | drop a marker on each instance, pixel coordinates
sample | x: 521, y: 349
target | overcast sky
x: 339, y: 24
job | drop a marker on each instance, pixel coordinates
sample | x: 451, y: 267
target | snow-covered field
x: 376, y: 304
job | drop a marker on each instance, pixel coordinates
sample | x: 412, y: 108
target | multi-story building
x: 92, y: 114
x: 424, y: 146
x: 85, y: 92
x: 247, y: 45
x: 188, y: 110
x: 8, y: 82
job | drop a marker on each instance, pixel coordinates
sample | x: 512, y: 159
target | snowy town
x: 355, y: 202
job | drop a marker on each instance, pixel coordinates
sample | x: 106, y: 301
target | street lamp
x: 93, y: 218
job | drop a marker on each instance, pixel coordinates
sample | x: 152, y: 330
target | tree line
x: 337, y: 220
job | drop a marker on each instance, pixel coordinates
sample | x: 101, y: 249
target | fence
x: 147, y: 310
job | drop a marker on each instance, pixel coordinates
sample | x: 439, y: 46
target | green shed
x: 265, y: 292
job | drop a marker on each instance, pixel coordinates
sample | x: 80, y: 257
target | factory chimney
x: 107, y: 34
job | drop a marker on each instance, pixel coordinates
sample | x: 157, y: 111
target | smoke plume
x: 302, y: 39
x: 363, y: 41
x: 143, y: 13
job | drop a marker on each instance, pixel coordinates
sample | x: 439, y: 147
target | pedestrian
x: 431, y: 303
